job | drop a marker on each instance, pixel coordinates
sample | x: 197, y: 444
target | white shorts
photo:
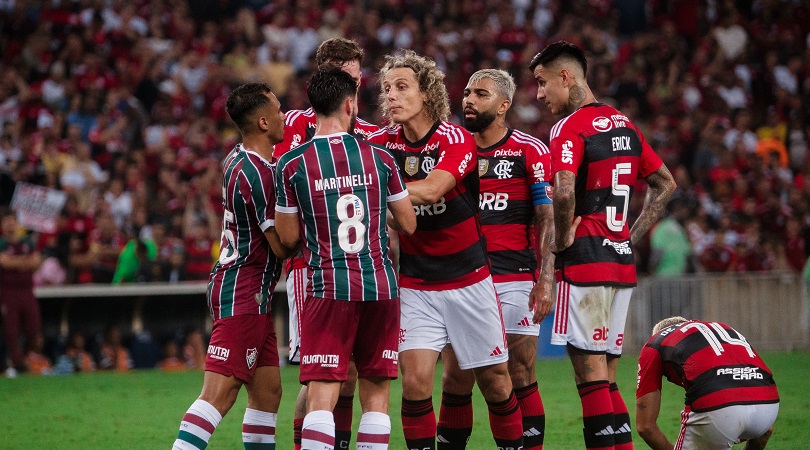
x: 724, y: 427
x: 296, y: 294
x: 591, y: 318
x: 514, y: 297
x: 469, y: 317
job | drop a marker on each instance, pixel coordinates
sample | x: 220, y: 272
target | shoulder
x: 526, y: 140
x: 453, y: 134
x: 365, y: 129
x: 388, y: 132
x: 294, y: 154
x: 299, y: 116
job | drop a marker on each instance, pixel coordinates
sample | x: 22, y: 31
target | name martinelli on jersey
x: 345, y: 181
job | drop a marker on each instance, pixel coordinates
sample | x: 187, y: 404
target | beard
x: 480, y: 122
x: 352, y: 123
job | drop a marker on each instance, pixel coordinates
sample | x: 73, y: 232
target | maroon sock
x: 597, y: 414
x: 343, y: 421
x: 621, y: 421
x: 297, y: 425
x: 534, y: 416
x: 455, y: 421
x: 506, y: 424
x: 419, y: 424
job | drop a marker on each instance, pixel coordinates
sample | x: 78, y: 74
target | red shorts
x: 334, y: 330
x: 240, y: 344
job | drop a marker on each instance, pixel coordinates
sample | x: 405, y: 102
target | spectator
x: 80, y: 360
x: 112, y: 353
x: 135, y: 255
x: 194, y: 349
x: 35, y: 361
x: 670, y: 249
x: 171, y: 362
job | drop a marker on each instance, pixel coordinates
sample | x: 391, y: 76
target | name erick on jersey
x: 507, y: 171
x: 245, y: 275
x: 447, y: 251
x: 607, y: 153
x: 711, y: 360
x: 299, y: 127
x: 340, y: 186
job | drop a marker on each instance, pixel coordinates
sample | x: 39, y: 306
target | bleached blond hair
x: 668, y: 323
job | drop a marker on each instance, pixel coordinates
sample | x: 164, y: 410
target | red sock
x: 534, y: 416
x: 419, y: 424
x: 597, y: 415
x: 505, y: 422
x: 621, y: 419
x: 343, y: 421
x: 298, y: 423
x: 455, y: 421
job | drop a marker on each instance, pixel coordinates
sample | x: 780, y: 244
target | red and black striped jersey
x: 245, y: 275
x: 509, y: 171
x: 608, y: 154
x: 340, y: 187
x: 299, y: 127
x: 711, y: 360
x: 447, y: 251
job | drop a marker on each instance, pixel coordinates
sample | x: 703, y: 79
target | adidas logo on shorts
x: 496, y: 352
x: 525, y: 322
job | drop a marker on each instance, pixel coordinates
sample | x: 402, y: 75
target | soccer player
x: 299, y: 128
x: 514, y: 199
x: 597, y: 154
x: 730, y: 392
x: 335, y: 191
x: 447, y: 292
x: 243, y: 341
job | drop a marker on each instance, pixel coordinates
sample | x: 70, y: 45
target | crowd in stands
x: 120, y: 104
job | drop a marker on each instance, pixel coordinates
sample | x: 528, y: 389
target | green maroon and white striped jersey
x: 340, y: 187
x: 245, y: 275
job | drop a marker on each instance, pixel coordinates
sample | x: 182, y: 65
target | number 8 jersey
x: 340, y: 187
x: 607, y: 153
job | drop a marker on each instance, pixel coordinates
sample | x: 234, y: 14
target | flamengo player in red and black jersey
x: 514, y: 204
x: 447, y: 292
x: 243, y: 341
x: 335, y: 191
x: 597, y: 155
x: 730, y: 392
x: 300, y: 128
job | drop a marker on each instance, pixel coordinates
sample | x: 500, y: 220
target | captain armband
x: 541, y: 193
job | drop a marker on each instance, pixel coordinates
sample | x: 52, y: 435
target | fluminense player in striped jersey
x: 447, y: 291
x: 334, y: 192
x: 514, y: 204
x: 300, y: 128
x: 243, y: 348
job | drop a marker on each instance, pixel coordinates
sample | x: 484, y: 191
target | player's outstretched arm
x: 541, y: 297
x: 662, y: 184
x: 287, y: 229
x: 403, y: 218
x: 647, y: 408
x: 432, y: 188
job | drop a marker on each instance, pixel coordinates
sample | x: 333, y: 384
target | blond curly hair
x: 429, y: 77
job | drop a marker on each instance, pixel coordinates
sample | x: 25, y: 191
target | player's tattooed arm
x: 662, y: 184
x: 648, y: 407
x: 541, y: 297
x: 564, y: 201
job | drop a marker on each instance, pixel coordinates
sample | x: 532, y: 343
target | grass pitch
x: 142, y: 409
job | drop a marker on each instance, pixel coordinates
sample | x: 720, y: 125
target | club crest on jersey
x: 251, y: 355
x: 411, y: 165
x: 602, y: 124
x: 258, y: 298
x: 504, y: 169
x: 428, y: 164
x: 483, y: 166
x: 335, y: 141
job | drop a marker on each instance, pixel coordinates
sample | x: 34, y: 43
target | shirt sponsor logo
x: 493, y: 201
x: 622, y: 248
x: 483, y: 166
x: 219, y: 353
x: 567, y: 154
x: 395, y: 145
x: 602, y: 124
x: 741, y: 373
x: 463, y: 166
x: 600, y: 334
x: 621, y: 143
x: 411, y: 165
x: 323, y: 360
x: 431, y: 210
x: 401, y: 335
x: 250, y: 357
x: 508, y: 152
x: 539, y: 171
x: 344, y: 181
x: 390, y: 354
x: 504, y: 169
x: 296, y: 141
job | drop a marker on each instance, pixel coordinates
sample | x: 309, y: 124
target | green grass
x: 142, y: 410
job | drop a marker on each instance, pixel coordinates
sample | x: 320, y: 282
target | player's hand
x: 541, y: 300
x: 569, y: 237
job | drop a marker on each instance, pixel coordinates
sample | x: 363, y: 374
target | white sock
x: 318, y: 432
x: 197, y: 426
x: 374, y: 431
x: 259, y: 427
